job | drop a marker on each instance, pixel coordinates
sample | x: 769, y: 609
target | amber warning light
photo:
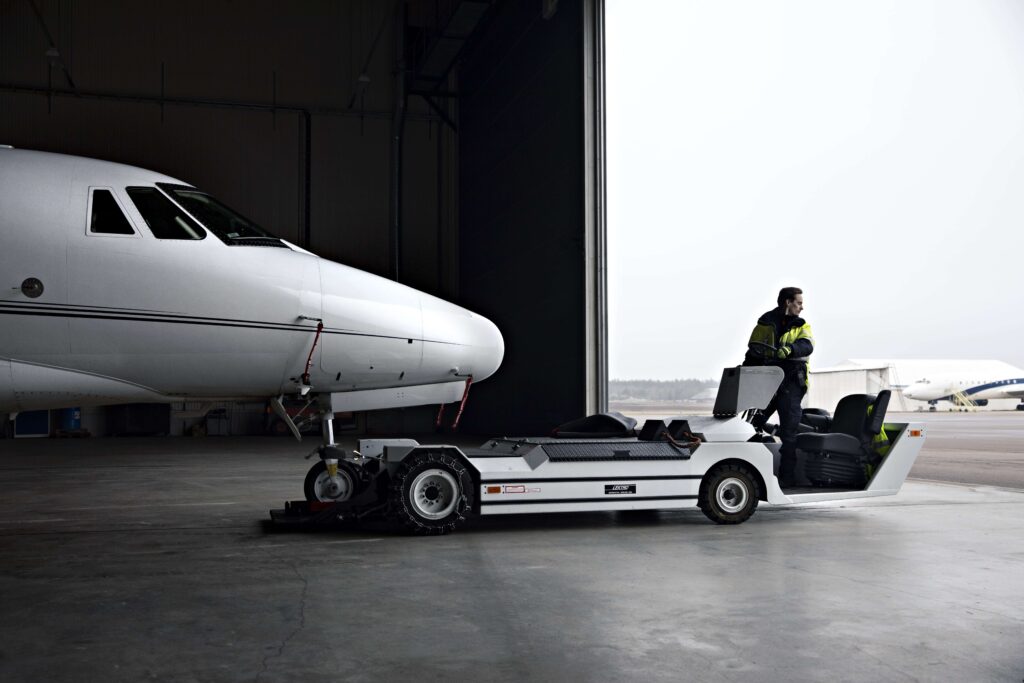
x: 917, y: 432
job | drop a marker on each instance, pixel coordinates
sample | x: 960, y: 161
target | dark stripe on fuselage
x: 100, y: 313
x: 44, y: 305
x: 985, y: 387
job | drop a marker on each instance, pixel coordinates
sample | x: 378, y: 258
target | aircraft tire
x: 430, y: 493
x: 314, y: 483
x: 728, y: 494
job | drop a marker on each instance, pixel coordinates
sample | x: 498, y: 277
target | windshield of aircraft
x: 226, y: 223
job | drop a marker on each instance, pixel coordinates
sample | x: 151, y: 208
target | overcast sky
x: 870, y: 152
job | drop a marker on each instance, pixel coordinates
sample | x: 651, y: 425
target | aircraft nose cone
x: 461, y: 340
x: 913, y: 391
x: 491, y: 348
x: 483, y: 347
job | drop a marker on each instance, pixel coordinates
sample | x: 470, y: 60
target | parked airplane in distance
x: 977, y: 389
x: 122, y: 285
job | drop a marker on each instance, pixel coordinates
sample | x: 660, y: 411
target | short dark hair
x: 787, y: 293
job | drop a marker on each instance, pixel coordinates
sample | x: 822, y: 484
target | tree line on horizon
x: 656, y: 389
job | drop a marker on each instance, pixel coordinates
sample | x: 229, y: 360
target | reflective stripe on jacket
x: 795, y: 333
x: 880, y: 444
x: 764, y: 333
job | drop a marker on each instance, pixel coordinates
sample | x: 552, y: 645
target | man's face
x: 795, y: 305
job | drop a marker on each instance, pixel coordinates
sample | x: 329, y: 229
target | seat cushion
x: 832, y: 443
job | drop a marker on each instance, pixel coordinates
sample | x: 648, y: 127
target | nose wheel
x: 320, y: 487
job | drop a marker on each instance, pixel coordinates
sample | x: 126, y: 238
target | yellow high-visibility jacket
x: 776, y: 329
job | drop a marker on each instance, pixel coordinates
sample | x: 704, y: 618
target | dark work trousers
x: 787, y: 403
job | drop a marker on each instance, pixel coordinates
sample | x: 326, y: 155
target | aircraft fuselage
x: 131, y: 316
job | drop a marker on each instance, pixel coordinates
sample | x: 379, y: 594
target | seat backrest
x: 878, y: 409
x: 600, y: 425
x: 851, y: 415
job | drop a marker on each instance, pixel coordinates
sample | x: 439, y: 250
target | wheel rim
x: 434, y: 494
x: 732, y: 495
x: 324, y: 491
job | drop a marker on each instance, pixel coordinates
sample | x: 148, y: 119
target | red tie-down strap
x: 309, y: 359
x: 462, y: 407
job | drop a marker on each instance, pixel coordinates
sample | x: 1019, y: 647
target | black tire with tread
x: 308, y: 486
x: 401, y: 513
x: 707, y: 500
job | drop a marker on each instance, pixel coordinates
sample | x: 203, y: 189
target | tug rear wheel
x: 728, y: 494
x: 318, y: 485
x: 430, y: 493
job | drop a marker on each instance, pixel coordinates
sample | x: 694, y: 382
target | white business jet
x: 121, y: 285
x: 978, y: 390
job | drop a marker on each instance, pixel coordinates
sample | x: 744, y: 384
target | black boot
x: 787, y: 471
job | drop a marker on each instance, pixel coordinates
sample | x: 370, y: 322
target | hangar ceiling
x: 455, y: 145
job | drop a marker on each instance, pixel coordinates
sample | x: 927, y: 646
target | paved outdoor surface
x: 148, y: 559
x: 971, y: 448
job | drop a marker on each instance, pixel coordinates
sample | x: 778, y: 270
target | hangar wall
x: 828, y: 387
x: 222, y: 95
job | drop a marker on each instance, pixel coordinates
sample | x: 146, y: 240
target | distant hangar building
x: 869, y: 376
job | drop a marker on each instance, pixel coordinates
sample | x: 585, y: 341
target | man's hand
x: 784, y: 351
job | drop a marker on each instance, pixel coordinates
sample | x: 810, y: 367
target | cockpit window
x: 226, y: 223
x: 107, y: 217
x: 166, y: 220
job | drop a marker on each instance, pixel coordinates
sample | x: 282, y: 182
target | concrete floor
x: 127, y: 560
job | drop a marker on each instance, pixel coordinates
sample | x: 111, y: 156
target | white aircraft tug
x: 718, y: 463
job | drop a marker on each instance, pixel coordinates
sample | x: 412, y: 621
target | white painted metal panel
x: 397, y: 397
x: 36, y: 387
x: 6, y: 385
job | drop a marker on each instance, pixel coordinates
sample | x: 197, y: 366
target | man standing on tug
x: 783, y: 339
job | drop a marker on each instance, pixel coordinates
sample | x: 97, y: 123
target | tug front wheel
x: 728, y: 494
x: 430, y: 493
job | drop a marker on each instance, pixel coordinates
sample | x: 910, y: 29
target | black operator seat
x: 815, y: 420
x: 852, y: 428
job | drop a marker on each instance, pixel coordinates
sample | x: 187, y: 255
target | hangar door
x: 531, y: 211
